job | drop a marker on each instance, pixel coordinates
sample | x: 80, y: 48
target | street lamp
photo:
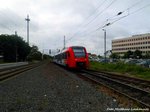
x: 104, y: 43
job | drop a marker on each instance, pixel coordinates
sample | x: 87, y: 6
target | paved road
x: 50, y: 88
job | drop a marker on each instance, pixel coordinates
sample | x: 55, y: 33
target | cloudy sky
x: 81, y: 21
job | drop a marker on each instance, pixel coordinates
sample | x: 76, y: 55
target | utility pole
x: 64, y: 42
x: 16, y: 33
x: 104, y: 43
x: 42, y: 54
x: 27, y: 19
x: 16, y: 47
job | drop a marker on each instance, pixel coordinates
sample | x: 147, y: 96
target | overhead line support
x: 27, y: 19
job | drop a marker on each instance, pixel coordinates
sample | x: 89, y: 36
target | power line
x: 134, y: 4
x: 126, y: 16
x: 97, y: 16
x: 118, y: 14
x: 100, y: 13
x: 110, y: 23
x: 127, y: 9
x: 119, y: 18
x: 94, y: 17
x: 140, y: 9
x: 87, y: 19
x: 96, y: 9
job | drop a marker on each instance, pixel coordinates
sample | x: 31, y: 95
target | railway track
x: 13, y: 71
x: 136, y: 82
x: 133, y: 88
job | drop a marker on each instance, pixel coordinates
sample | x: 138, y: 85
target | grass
x: 127, y: 69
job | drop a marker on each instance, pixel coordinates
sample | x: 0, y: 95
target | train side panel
x: 70, y: 58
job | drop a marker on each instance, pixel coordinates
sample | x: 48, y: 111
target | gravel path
x: 50, y: 88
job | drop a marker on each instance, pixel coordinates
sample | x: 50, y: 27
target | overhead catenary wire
x: 110, y: 23
x: 86, y: 20
x: 127, y: 9
x: 130, y: 13
x: 93, y: 18
x: 117, y: 19
x: 100, y: 13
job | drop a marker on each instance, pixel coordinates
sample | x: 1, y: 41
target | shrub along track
x: 8, y: 73
x: 135, y: 89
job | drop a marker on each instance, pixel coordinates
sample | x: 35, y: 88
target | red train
x: 73, y: 57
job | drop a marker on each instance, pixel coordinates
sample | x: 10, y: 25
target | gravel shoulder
x: 49, y: 88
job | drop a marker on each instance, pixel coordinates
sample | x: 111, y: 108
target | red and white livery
x: 73, y: 57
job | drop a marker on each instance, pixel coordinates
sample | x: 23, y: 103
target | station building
x: 136, y: 42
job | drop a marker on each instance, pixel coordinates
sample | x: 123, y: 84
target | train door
x: 68, y: 59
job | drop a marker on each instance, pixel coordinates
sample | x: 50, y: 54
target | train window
x: 68, y: 54
x: 79, y: 52
x: 64, y: 56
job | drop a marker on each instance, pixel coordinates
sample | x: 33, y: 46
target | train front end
x: 80, y: 57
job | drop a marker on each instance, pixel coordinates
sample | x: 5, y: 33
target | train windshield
x: 79, y: 52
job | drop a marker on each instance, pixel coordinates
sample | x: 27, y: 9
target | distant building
x: 108, y: 53
x: 93, y: 57
x: 136, y: 42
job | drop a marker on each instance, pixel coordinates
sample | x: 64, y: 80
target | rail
x: 11, y: 72
x: 121, y: 86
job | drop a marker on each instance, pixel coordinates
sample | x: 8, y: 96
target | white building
x: 136, y: 42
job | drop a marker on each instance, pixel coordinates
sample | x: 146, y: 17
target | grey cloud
x: 52, y: 19
x: 12, y: 21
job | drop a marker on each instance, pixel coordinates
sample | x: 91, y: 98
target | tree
x: 99, y: 56
x: 137, y: 54
x: 114, y: 56
x: 34, y: 54
x: 147, y: 56
x: 13, y: 48
x: 46, y: 57
x: 128, y: 54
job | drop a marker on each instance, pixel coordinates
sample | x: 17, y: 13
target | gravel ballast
x: 49, y: 88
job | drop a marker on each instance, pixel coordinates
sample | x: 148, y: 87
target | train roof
x: 77, y: 47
